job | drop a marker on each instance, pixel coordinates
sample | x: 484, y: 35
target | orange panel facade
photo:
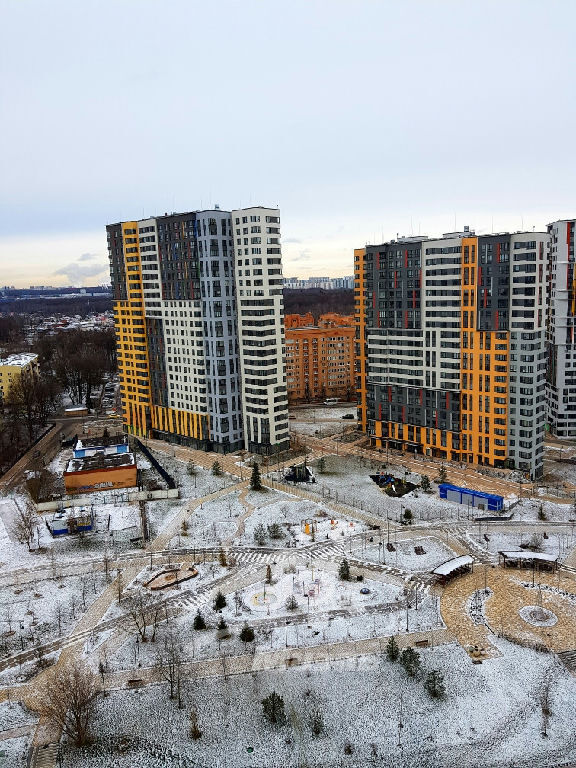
x: 320, y: 360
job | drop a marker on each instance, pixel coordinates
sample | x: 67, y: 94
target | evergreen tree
x: 199, y: 622
x: 443, y: 474
x: 256, y: 480
x: 273, y: 707
x: 392, y: 650
x: 216, y: 469
x: 291, y: 603
x: 222, y: 558
x: 222, y: 624
x: 275, y: 531
x: 268, y: 574
x: 247, y: 634
x: 219, y: 602
x: 344, y: 570
x: 260, y: 534
x: 191, y: 468
x: 410, y: 660
x: 434, y: 684
x: 425, y: 484
x: 321, y: 465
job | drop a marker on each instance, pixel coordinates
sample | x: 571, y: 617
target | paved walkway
x: 282, y: 658
x: 19, y: 730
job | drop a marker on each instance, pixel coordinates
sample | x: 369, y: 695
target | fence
x: 86, y: 501
x: 170, y: 482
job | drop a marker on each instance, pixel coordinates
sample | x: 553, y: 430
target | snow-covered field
x: 490, y: 716
x: 405, y: 556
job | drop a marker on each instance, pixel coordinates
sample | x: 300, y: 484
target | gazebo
x: 452, y: 568
x: 522, y: 558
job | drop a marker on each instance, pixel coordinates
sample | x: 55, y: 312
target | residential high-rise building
x: 451, y: 348
x: 561, y: 318
x: 320, y: 358
x: 181, y: 336
x: 258, y: 275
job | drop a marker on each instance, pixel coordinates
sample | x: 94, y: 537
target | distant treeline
x: 296, y: 301
x: 318, y: 301
x: 75, y: 305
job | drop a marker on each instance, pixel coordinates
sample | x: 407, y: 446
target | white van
x: 331, y: 401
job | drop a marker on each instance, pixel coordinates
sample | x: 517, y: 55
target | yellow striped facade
x: 131, y: 341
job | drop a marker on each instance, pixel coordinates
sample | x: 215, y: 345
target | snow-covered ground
x: 490, y: 716
x: 405, y: 556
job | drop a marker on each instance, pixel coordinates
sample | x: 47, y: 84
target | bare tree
x: 25, y: 523
x: 68, y: 700
x: 169, y: 660
x: 144, y: 611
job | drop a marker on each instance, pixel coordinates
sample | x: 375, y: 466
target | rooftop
x: 21, y: 360
x: 101, y: 461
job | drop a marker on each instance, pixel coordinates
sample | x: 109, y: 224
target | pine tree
x: 260, y: 534
x: 410, y: 660
x: 275, y: 531
x: 256, y: 480
x: 273, y: 707
x: 268, y: 574
x: 199, y: 622
x: 216, y: 469
x: 219, y: 602
x: 222, y: 558
x: 434, y: 684
x: 392, y: 650
x: 425, y: 484
x: 321, y: 465
x: 247, y: 634
x: 222, y: 624
x: 191, y: 468
x: 443, y: 474
x: 344, y: 570
x: 291, y: 603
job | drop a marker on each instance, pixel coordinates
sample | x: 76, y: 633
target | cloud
x: 291, y: 240
x: 77, y: 273
x: 304, y: 255
x: 87, y: 257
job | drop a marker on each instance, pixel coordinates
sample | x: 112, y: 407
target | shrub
x: 273, y: 708
x: 219, y: 602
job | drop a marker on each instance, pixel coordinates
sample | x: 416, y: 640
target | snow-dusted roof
x: 21, y: 360
x: 521, y: 554
x: 452, y: 565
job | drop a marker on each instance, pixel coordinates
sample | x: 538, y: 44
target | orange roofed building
x: 320, y: 358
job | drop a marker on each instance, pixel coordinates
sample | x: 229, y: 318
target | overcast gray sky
x: 360, y: 119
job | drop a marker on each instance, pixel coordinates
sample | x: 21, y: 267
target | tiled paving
x: 502, y: 608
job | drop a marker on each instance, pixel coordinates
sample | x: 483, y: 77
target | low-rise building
x: 11, y: 369
x: 101, y: 463
x: 319, y: 358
